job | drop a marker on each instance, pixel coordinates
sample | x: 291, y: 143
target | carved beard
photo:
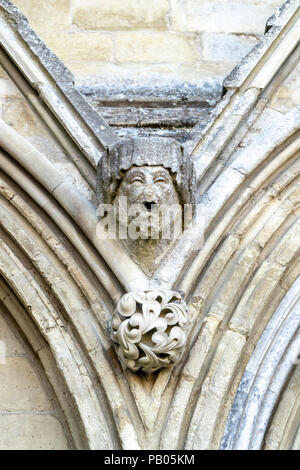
x: 149, y: 221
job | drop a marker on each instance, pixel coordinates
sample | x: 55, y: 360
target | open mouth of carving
x: 149, y: 205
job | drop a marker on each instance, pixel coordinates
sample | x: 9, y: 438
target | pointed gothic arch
x: 241, y: 283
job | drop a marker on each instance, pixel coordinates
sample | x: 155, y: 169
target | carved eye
x: 136, y: 179
x: 160, y: 179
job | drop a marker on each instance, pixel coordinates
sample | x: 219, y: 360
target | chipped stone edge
x: 274, y: 26
x: 262, y: 367
x: 61, y: 75
x: 235, y: 86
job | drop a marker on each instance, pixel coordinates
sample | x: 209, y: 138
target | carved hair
x: 142, y: 151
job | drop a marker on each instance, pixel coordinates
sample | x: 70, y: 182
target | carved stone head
x: 148, y: 171
x: 149, y: 186
x: 161, y: 152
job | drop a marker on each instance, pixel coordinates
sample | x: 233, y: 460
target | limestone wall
x: 29, y: 414
x: 17, y: 111
x: 149, y: 40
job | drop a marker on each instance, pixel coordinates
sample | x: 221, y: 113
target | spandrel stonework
x: 148, y: 181
x: 157, y: 328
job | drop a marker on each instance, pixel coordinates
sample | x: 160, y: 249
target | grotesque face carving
x: 151, y: 199
x: 153, y: 173
x: 148, y: 185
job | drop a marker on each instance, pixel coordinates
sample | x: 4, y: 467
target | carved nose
x: 149, y: 205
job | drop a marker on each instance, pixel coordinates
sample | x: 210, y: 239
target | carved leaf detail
x: 150, y: 329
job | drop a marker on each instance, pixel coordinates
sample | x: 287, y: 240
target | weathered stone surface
x: 146, y: 152
x: 12, y: 344
x: 215, y: 386
x: 46, y: 15
x: 248, y: 191
x: 31, y: 432
x: 3, y: 74
x: 63, y: 80
x: 20, y: 387
x: 18, y: 114
x: 80, y: 46
x: 8, y: 88
x: 151, y: 82
x: 226, y: 47
x: 220, y: 16
x: 120, y: 14
x: 155, y: 48
x: 186, y: 16
x: 162, y: 183
x: 280, y: 434
x: 288, y: 94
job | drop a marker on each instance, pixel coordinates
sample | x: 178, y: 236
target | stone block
x: 288, y: 94
x: 208, y: 74
x: 221, y: 16
x: 226, y: 47
x: 18, y: 114
x: 80, y: 46
x: 216, y: 386
x: 290, y: 247
x: 20, y: 387
x: 155, y: 48
x: 31, y: 432
x: 12, y: 344
x: 121, y: 14
x: 46, y: 15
